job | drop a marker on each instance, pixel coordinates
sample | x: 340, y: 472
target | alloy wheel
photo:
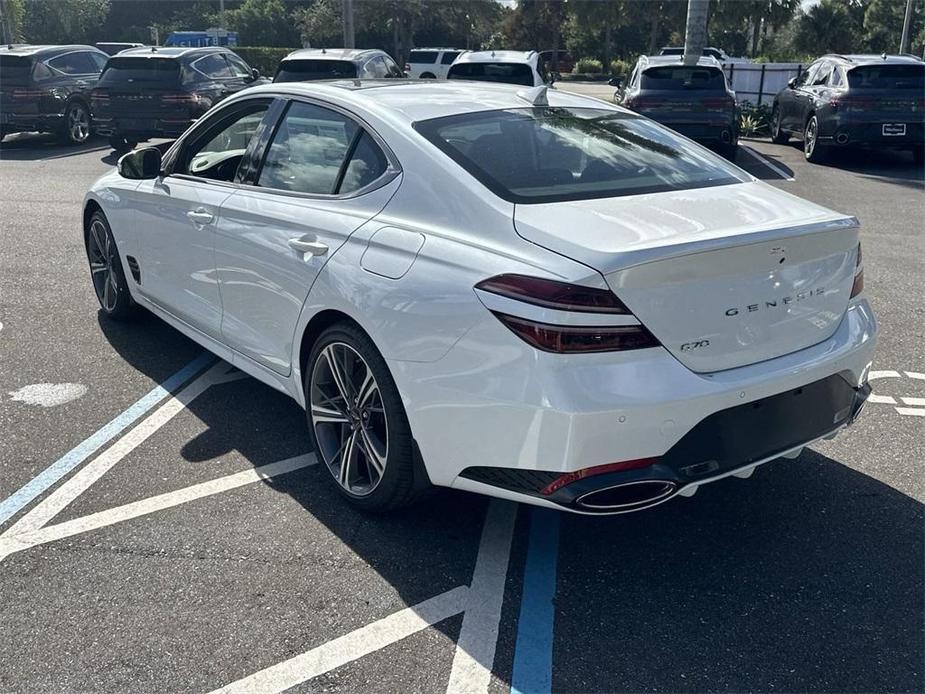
x: 809, y: 139
x: 102, y: 264
x: 78, y: 123
x: 348, y: 418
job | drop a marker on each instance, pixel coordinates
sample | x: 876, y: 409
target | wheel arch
x: 318, y: 323
x: 90, y: 208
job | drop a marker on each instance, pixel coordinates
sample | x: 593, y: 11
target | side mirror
x: 792, y: 82
x: 255, y: 74
x: 141, y: 164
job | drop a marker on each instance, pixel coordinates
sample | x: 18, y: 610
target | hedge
x: 589, y: 66
x: 264, y: 58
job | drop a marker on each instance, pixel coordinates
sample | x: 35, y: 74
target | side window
x: 377, y: 68
x: 807, y: 75
x: 99, y: 60
x: 448, y: 57
x: 218, y: 153
x: 238, y: 67
x: 541, y: 68
x: 213, y: 66
x: 308, y: 150
x: 394, y: 70
x: 836, y: 79
x: 821, y: 76
x: 41, y: 72
x: 78, y: 63
x: 366, y: 165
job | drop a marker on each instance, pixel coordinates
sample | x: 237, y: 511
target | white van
x: 431, y: 63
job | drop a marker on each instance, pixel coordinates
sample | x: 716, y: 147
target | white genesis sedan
x: 513, y: 291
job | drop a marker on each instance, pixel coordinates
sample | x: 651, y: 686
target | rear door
x: 322, y: 177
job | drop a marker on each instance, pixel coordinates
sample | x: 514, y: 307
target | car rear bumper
x: 29, y: 122
x: 506, y: 420
x: 141, y: 128
x: 871, y: 134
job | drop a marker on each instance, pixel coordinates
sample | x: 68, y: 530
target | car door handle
x: 200, y: 216
x: 308, y: 247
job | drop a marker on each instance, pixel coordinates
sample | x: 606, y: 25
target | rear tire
x: 729, y: 151
x: 428, y: 76
x: 355, y: 414
x: 76, y: 127
x: 812, y: 150
x: 778, y: 136
x: 918, y: 155
x: 106, y: 273
x: 121, y: 144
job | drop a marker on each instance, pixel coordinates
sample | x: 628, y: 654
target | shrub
x: 589, y: 66
x: 264, y: 58
x: 620, y: 67
x: 754, y: 120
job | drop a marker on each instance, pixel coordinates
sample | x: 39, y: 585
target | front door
x: 322, y: 178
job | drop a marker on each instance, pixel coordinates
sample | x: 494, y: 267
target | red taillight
x: 648, y: 104
x: 858, y: 285
x: 570, y: 477
x: 562, y: 296
x: 180, y: 98
x: 564, y: 339
x: 25, y: 94
x: 721, y: 103
x: 850, y: 104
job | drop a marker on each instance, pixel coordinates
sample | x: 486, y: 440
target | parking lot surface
x: 164, y: 526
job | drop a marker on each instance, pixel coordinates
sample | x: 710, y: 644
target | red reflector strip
x: 570, y: 477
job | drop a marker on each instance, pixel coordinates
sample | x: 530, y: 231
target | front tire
x: 106, y: 271
x: 778, y: 136
x: 357, y: 422
x: 121, y: 144
x: 76, y: 128
x: 812, y: 150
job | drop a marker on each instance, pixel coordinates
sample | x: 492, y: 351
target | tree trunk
x: 608, y: 42
x: 756, y: 29
x: 653, y: 31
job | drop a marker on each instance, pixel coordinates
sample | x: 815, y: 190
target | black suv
x: 854, y: 101
x: 159, y: 92
x: 47, y: 89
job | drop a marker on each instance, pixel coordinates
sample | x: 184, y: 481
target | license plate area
x: 894, y: 129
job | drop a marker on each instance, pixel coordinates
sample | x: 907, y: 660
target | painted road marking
x: 345, y: 649
x: 50, y: 475
x: 532, y: 672
x: 916, y: 406
x: 478, y: 636
x: 48, y: 394
x: 49, y: 507
x: 767, y: 162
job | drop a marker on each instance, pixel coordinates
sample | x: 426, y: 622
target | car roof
x: 168, y: 51
x: 496, y: 57
x: 662, y: 60
x: 440, y: 48
x: 26, y: 49
x: 873, y: 59
x: 331, y: 53
x: 416, y: 100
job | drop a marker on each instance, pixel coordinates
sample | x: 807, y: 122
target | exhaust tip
x: 841, y: 138
x: 630, y: 496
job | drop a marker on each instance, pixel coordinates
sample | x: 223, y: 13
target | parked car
x: 431, y: 63
x: 113, y: 47
x: 47, y: 89
x: 695, y: 100
x: 310, y: 64
x: 566, y: 62
x: 710, y: 52
x: 512, y: 67
x: 159, y: 92
x: 854, y: 101
x: 571, y: 306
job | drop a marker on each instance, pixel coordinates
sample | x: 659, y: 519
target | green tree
x: 829, y: 27
x: 595, y: 20
x: 883, y: 25
x: 63, y: 21
x: 321, y: 24
x: 263, y: 23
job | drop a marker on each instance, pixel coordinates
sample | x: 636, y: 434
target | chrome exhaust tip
x: 630, y: 496
x: 841, y: 138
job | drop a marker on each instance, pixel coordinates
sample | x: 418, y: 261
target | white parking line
x: 478, y: 637
x: 10, y: 543
x: 349, y: 647
x: 767, y: 162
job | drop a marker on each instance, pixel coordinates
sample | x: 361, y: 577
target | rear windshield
x: 14, y: 69
x: 534, y: 155
x: 511, y: 73
x: 422, y: 57
x: 683, y: 77
x: 149, y: 71
x: 887, y: 77
x: 305, y: 70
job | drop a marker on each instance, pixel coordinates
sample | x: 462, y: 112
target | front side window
x: 376, y: 68
x: 214, y: 66
x: 238, y: 67
x: 821, y: 75
x: 218, y: 152
x: 392, y: 66
x: 534, y: 155
x: 309, y: 70
x: 78, y: 63
x: 509, y: 73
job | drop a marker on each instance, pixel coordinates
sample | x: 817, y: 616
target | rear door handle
x: 308, y: 247
x: 200, y: 216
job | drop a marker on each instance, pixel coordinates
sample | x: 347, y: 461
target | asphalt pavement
x: 186, y: 541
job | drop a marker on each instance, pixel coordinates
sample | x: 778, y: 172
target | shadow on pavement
x: 750, y: 160
x: 45, y: 146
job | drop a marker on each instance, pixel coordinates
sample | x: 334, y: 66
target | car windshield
x: 510, y: 73
x: 306, y: 70
x: 534, y: 155
x: 683, y: 77
x: 887, y: 77
x: 158, y: 71
x: 14, y: 69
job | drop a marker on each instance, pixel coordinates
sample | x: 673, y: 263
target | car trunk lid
x: 723, y: 276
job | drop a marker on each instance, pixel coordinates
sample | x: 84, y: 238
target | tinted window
x: 79, y: 63
x: 238, y: 67
x: 377, y: 68
x: 14, y: 69
x: 553, y: 154
x: 683, y: 77
x: 394, y: 70
x: 147, y: 71
x: 887, y: 77
x: 99, y: 59
x: 821, y: 74
x: 308, y: 150
x: 836, y: 79
x: 422, y: 57
x: 305, y: 70
x: 219, y: 152
x: 213, y: 66
x: 366, y: 165
x: 511, y: 73
x: 449, y: 57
